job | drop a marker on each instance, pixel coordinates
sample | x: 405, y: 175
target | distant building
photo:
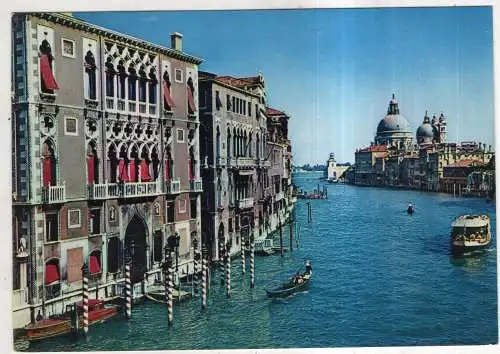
x: 455, y: 176
x: 334, y: 171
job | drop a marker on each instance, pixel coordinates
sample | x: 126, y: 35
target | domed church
x: 434, y: 131
x: 394, y: 130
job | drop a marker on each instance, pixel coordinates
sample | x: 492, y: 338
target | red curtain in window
x: 191, y: 104
x: 47, y: 171
x: 132, y: 173
x: 145, y: 176
x: 122, y: 170
x: 168, y: 96
x: 51, y: 273
x: 94, y: 264
x: 46, y: 71
x: 167, y: 166
x: 90, y: 169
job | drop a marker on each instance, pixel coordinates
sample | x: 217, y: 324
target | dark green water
x: 381, y: 278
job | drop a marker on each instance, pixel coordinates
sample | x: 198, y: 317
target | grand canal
x: 381, y: 278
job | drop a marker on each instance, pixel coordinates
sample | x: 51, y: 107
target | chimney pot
x: 176, y: 41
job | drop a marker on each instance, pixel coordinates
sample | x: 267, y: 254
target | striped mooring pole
x: 204, y: 278
x: 170, y: 300
x: 128, y: 290
x: 195, y: 271
x: 85, y: 271
x: 252, y: 262
x: 228, y: 273
x: 243, y: 255
x: 221, y: 262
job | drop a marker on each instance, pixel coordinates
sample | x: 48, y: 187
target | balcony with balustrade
x: 54, y: 194
x: 173, y: 186
x: 220, y: 162
x: 246, y: 162
x: 196, y: 185
x: 231, y: 162
x: 245, y: 203
x: 123, y: 190
x: 278, y: 196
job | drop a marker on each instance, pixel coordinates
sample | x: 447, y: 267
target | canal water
x: 380, y: 278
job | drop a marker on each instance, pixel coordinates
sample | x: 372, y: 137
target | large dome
x: 393, y: 123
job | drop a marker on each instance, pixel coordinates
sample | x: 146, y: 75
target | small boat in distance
x: 296, y: 283
x: 470, y: 233
x: 410, y: 209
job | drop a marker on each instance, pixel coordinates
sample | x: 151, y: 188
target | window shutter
x: 132, y: 171
x: 145, y: 176
x: 122, y: 168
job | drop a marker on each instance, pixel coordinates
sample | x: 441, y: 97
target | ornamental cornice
x: 77, y: 24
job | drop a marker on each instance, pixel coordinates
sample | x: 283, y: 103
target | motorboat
x: 470, y: 233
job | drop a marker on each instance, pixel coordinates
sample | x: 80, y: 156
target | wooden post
x: 252, y: 262
x: 291, y: 235
x: 243, y: 256
x: 228, y: 275
x: 128, y: 290
x: 170, y: 299
x: 281, y: 239
x: 85, y: 299
x: 204, y: 278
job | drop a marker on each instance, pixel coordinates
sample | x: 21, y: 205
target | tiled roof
x: 238, y: 82
x: 274, y: 112
x: 467, y: 163
x: 374, y: 148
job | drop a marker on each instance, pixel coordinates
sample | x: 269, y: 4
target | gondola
x: 296, y: 283
x: 410, y: 209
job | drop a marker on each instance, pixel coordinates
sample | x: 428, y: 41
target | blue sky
x: 334, y: 70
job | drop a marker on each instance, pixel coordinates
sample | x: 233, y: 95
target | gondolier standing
x: 308, y: 267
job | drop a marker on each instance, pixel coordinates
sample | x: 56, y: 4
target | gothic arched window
x: 132, y: 79
x: 191, y: 93
x: 121, y: 80
x: 110, y: 78
x: 48, y: 82
x: 153, y: 83
x: 48, y: 165
x: 143, y: 84
x: 168, y: 102
x: 90, y: 71
x: 92, y: 165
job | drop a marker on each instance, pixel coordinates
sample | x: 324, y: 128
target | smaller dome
x: 425, y: 130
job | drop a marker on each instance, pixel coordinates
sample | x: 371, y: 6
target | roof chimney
x: 176, y: 41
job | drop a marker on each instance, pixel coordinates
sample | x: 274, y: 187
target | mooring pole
x: 128, y: 290
x: 221, y: 261
x: 85, y: 289
x: 203, y: 278
x: 281, y: 239
x: 243, y: 256
x: 252, y: 262
x: 170, y: 300
x: 196, y: 258
x: 291, y: 234
x: 228, y: 271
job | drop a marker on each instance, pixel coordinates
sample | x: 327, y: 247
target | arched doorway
x: 136, y: 232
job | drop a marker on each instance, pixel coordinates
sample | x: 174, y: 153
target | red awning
x: 122, y: 170
x: 132, y: 172
x: 48, y: 78
x: 51, y: 273
x: 145, y: 176
x: 167, y: 96
x: 191, y: 104
x: 94, y: 264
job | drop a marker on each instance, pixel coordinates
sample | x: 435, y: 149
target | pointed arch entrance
x: 137, y: 232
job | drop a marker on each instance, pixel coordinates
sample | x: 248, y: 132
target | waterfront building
x: 370, y: 164
x: 335, y: 171
x: 277, y: 198
x: 105, y: 160
x: 394, y: 161
x: 233, y: 137
x: 247, y: 154
x: 455, y: 176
